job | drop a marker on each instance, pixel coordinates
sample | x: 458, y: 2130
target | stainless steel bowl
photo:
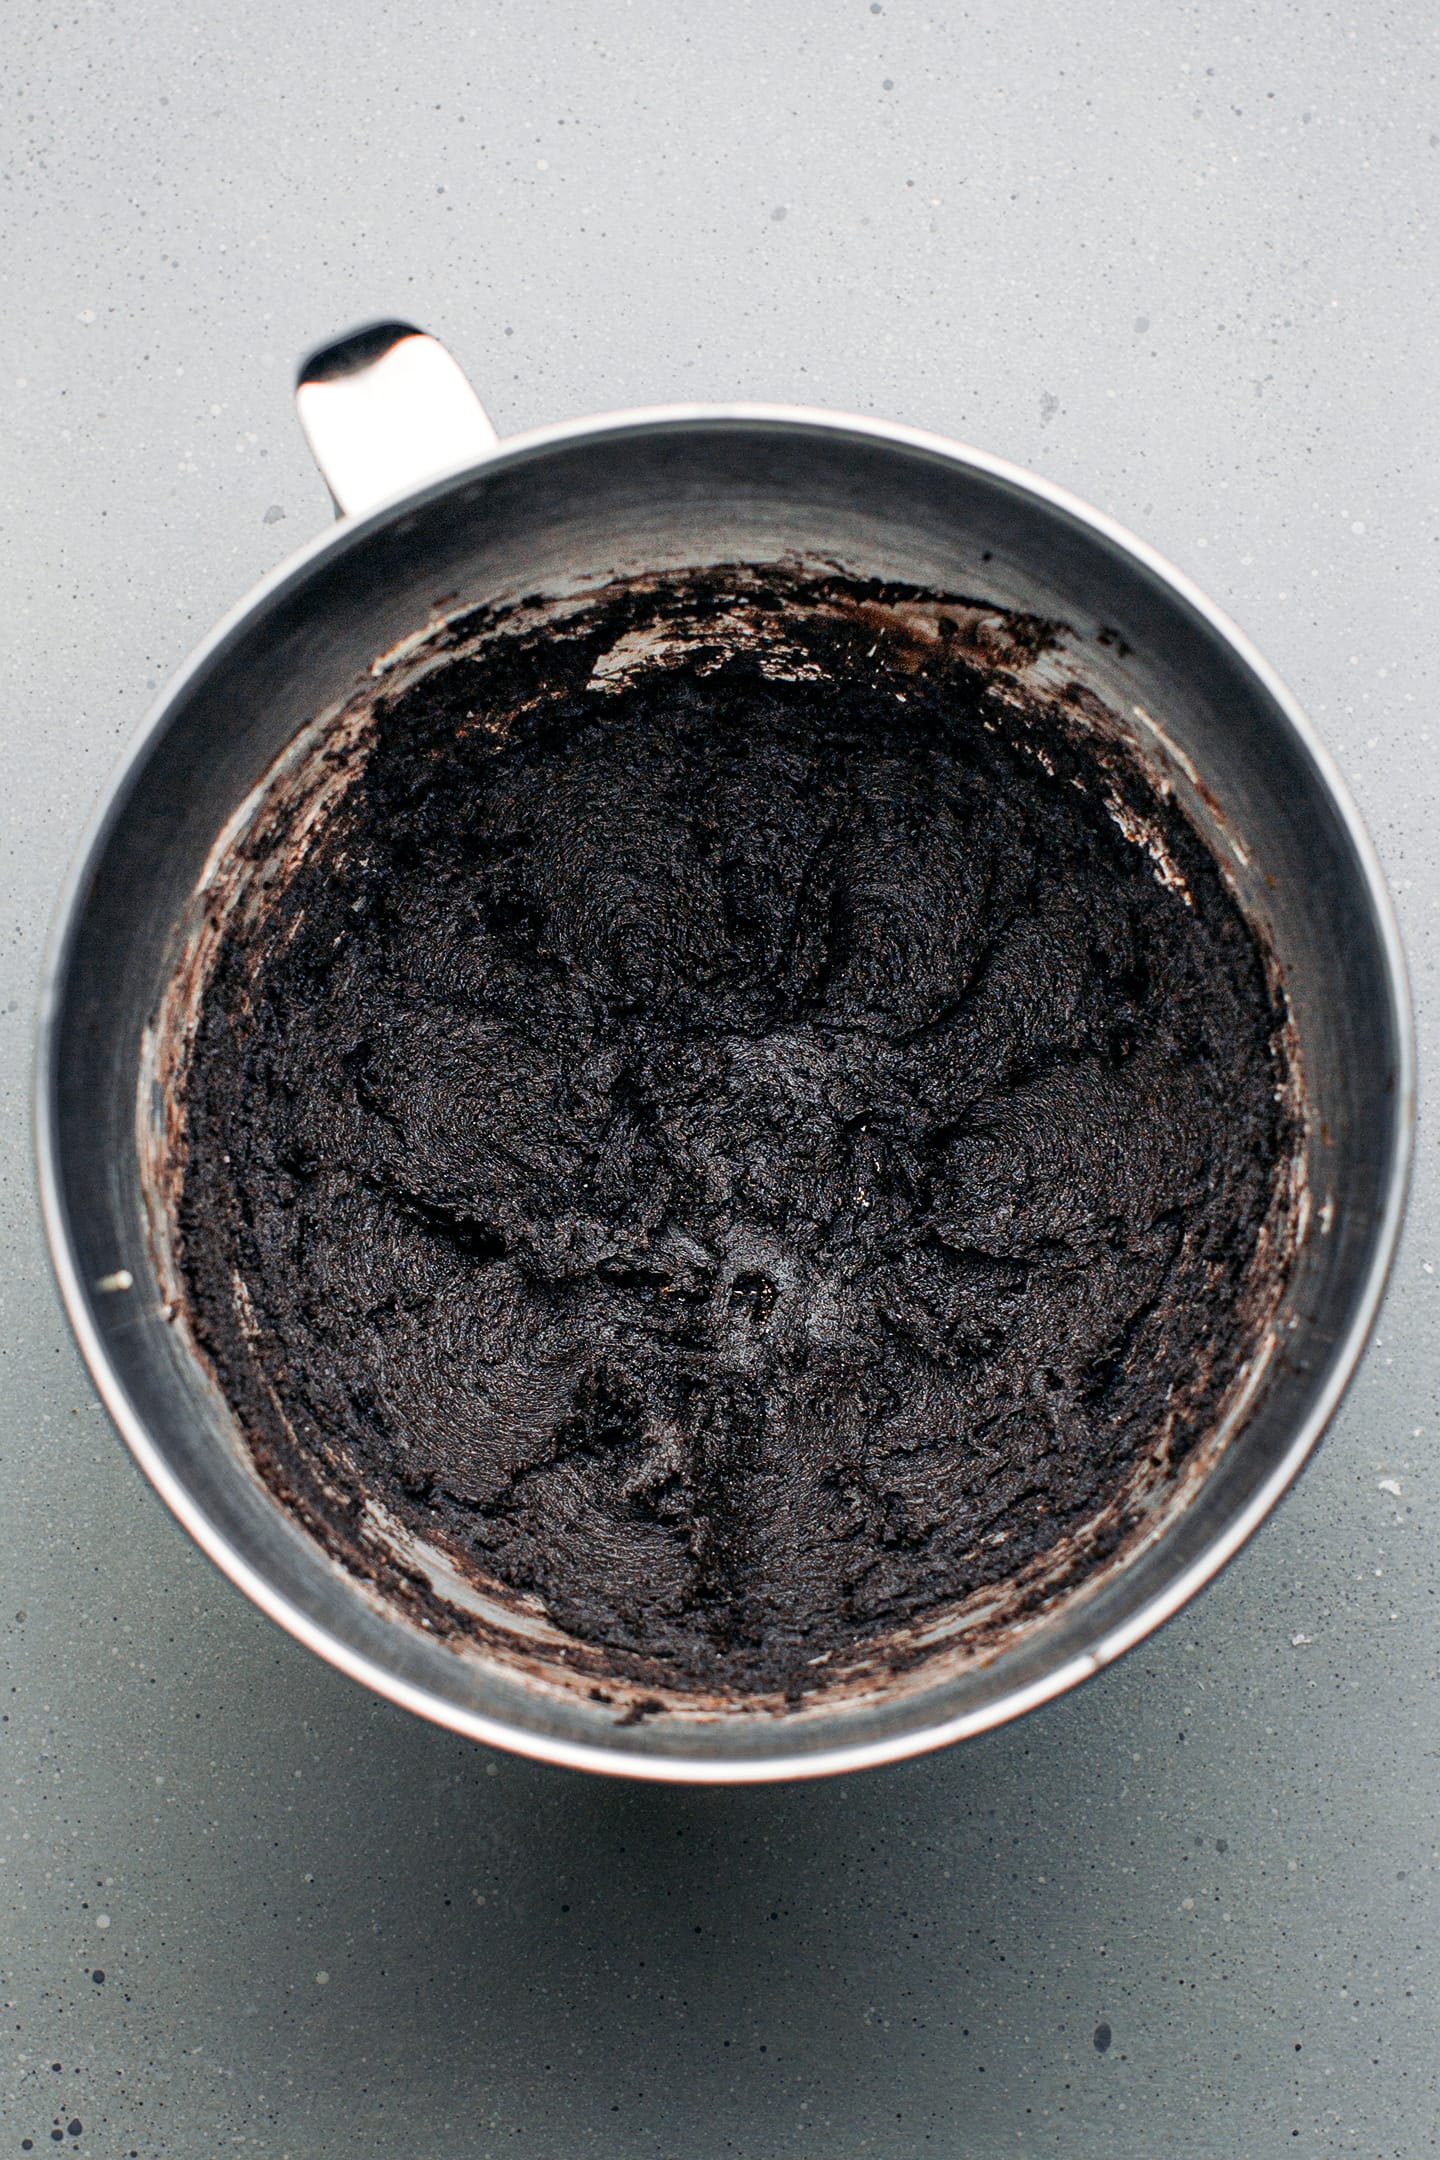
x: 438, y: 515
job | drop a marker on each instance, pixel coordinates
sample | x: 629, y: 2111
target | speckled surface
x: 1181, y: 261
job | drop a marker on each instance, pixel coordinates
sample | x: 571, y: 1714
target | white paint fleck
x: 1390, y: 1485
x: 1297, y: 1640
x: 322, y: 1979
x: 102, y: 1920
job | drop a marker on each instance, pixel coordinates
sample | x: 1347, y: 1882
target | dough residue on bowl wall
x: 726, y: 1141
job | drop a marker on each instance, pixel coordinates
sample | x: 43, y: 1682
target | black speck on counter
x: 742, y: 1159
x: 1103, y: 2037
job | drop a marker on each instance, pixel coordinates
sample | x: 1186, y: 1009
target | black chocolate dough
x: 747, y: 1161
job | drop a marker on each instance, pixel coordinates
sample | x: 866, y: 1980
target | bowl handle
x: 384, y: 409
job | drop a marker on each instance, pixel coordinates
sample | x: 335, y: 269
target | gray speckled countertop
x: 1182, y: 260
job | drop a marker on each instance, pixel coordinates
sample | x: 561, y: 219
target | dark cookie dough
x: 748, y: 1161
